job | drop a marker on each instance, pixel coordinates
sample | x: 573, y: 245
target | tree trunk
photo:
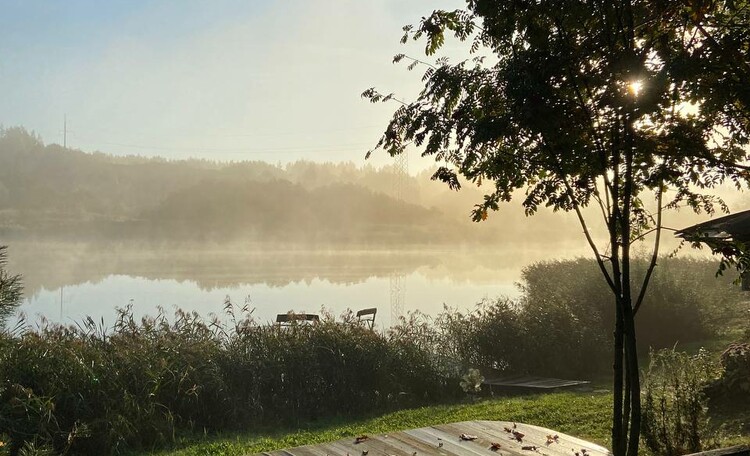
x: 635, y: 381
x: 618, y: 420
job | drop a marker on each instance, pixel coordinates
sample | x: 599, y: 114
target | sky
x: 228, y: 80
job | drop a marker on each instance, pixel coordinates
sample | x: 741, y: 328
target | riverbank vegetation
x: 100, y: 388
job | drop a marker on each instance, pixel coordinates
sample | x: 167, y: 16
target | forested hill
x: 51, y: 192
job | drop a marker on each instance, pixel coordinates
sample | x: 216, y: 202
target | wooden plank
x: 739, y: 450
x: 451, y: 443
x: 428, y: 440
x: 485, y: 437
x: 520, y: 381
x: 408, y: 445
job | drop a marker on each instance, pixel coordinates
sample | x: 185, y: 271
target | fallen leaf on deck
x: 468, y: 437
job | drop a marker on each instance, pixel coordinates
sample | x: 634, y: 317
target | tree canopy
x: 629, y: 106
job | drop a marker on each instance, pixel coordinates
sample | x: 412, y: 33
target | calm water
x: 98, y: 299
x: 65, y: 283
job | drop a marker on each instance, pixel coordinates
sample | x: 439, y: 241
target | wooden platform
x: 445, y: 440
x: 527, y: 382
x: 739, y: 450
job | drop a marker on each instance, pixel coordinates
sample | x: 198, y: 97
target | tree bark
x: 635, y: 381
x: 618, y: 442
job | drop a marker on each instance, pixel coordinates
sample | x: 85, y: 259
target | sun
x: 635, y: 87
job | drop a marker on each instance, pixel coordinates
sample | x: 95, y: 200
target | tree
x: 11, y: 290
x: 611, y: 104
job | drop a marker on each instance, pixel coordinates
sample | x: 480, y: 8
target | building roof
x: 734, y: 227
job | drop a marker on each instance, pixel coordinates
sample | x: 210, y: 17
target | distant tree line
x: 51, y: 192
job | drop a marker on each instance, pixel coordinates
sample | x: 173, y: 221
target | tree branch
x: 654, y: 255
x: 587, y: 233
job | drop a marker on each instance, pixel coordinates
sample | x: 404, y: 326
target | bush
x: 685, y: 302
x: 733, y: 386
x: 506, y: 336
x: 674, y: 411
x: 561, y: 326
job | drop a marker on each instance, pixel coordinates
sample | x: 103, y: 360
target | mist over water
x: 90, y: 232
x: 68, y: 282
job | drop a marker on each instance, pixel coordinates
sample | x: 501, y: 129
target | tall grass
x: 87, y: 390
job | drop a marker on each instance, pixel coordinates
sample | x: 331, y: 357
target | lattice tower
x: 397, y: 279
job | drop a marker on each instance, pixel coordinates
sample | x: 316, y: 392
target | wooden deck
x: 527, y: 382
x: 445, y: 440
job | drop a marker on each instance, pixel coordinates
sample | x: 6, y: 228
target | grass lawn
x: 584, y: 415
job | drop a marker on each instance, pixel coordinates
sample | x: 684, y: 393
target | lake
x: 65, y: 282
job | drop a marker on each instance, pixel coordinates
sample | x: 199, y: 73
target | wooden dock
x: 467, y: 438
x: 530, y: 383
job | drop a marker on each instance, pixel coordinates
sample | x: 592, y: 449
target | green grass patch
x: 584, y: 415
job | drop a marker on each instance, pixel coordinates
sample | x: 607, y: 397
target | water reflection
x: 92, y: 279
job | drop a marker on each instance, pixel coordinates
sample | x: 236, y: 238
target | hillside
x: 52, y: 192
x: 49, y: 192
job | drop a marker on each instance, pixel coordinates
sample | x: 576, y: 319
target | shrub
x: 674, y: 411
x: 507, y: 336
x: 734, y: 383
x: 562, y: 323
x: 471, y: 382
x: 685, y: 302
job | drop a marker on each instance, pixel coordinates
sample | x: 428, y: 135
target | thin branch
x: 586, y: 232
x: 654, y: 256
x: 638, y: 238
x: 419, y: 61
x: 598, y: 198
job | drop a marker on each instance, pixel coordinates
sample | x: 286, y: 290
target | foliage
x: 584, y: 103
x: 472, y: 381
x: 502, y: 336
x: 32, y: 448
x: 560, y: 326
x: 734, y: 383
x: 684, y: 303
x: 11, y: 289
x: 675, y: 409
x: 4, y: 447
x: 86, y: 389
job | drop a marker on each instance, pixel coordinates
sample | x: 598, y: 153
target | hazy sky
x: 227, y: 80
